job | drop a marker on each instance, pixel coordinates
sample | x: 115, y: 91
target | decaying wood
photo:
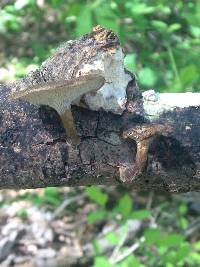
x: 35, y: 152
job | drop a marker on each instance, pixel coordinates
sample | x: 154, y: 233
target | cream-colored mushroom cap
x: 60, y: 94
x: 145, y: 131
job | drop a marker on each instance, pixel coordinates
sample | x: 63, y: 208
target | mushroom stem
x: 69, y: 125
x: 129, y: 173
x: 142, y: 153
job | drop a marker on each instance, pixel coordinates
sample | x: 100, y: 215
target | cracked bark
x: 34, y: 151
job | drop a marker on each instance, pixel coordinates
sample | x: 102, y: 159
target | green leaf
x: 183, y: 223
x: 52, y: 200
x: 102, y: 262
x: 107, y: 18
x: 163, y: 9
x: 22, y: 213
x: 97, y: 246
x: 182, y: 252
x: 197, y: 245
x: 159, y: 25
x: 9, y: 9
x: 19, y: 4
x: 56, y: 3
x: 152, y: 236
x: 95, y: 194
x: 84, y: 21
x: 183, y: 209
x: 194, y: 259
x: 195, y: 31
x: 113, y: 238
x: 170, y: 240
x: 130, y: 261
x: 168, y: 264
x: 39, y: 50
x: 147, y: 77
x: 47, y: 197
x: 140, y: 8
x: 125, y: 206
x: 168, y: 258
x: 188, y: 74
x: 51, y: 191
x: 140, y: 214
x: 176, y: 256
x: 174, y: 27
x: 52, y: 196
x: 130, y: 62
x: 96, y: 216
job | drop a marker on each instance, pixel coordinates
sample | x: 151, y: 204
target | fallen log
x: 36, y: 151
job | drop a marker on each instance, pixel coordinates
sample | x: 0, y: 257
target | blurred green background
x: 161, y: 40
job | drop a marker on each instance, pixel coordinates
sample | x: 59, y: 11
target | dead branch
x: 35, y: 150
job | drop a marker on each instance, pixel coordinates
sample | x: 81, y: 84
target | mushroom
x: 60, y: 95
x: 142, y: 134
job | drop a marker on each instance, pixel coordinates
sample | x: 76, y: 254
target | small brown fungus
x: 142, y: 135
x: 101, y: 34
x: 60, y: 95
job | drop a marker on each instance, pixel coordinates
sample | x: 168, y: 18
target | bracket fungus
x: 91, y: 67
x: 60, y: 95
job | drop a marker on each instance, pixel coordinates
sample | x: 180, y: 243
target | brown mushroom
x: 142, y: 135
x: 60, y: 95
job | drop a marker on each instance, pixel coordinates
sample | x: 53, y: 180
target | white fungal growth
x: 157, y: 103
x: 112, y: 96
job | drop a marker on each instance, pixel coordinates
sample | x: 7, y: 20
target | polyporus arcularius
x: 59, y: 95
x: 91, y: 67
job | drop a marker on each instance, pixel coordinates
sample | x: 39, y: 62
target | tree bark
x: 35, y: 151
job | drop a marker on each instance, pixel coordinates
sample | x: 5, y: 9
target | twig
x: 128, y: 252
x: 66, y: 203
x: 150, y: 200
x: 192, y: 228
x: 118, y: 247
